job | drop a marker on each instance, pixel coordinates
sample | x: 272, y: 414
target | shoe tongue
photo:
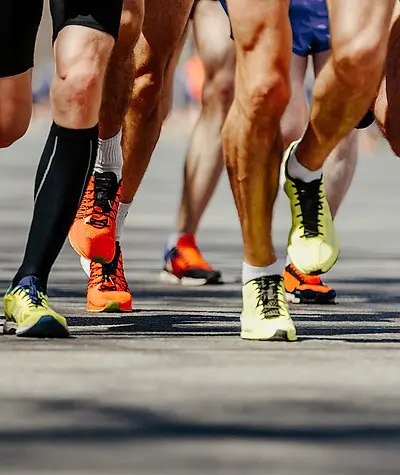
x: 29, y: 282
x: 105, y: 188
x: 109, y: 178
x: 187, y: 240
x: 33, y: 285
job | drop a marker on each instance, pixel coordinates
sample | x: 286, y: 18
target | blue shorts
x: 224, y: 6
x: 310, y: 26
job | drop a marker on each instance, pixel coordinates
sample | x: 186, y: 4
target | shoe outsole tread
x: 111, y: 307
x: 46, y: 327
x: 278, y: 335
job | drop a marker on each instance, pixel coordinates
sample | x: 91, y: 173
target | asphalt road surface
x: 171, y: 388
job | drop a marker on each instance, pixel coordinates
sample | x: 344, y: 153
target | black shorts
x: 19, y: 23
x: 103, y: 15
x: 20, y: 19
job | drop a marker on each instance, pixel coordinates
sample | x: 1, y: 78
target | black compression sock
x: 64, y: 170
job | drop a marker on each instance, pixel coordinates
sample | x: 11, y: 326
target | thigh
x: 102, y: 15
x: 19, y: 23
x: 263, y: 38
x: 164, y: 24
x: 212, y: 34
x: 351, y: 18
x: 319, y: 61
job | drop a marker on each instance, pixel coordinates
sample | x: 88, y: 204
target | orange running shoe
x: 185, y: 265
x: 92, y: 234
x: 108, y: 290
x: 302, y: 288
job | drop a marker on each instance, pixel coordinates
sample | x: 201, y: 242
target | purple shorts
x: 310, y: 26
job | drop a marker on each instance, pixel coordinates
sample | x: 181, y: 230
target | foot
x: 313, y: 245
x: 108, y: 290
x: 185, y: 265
x: 92, y: 234
x: 265, y: 314
x: 301, y: 288
x: 28, y: 313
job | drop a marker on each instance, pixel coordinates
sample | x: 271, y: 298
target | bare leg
x: 204, y: 161
x: 295, y: 118
x: 251, y: 134
x: 16, y: 107
x: 253, y: 150
x: 167, y: 92
x: 346, y: 85
x: 388, y: 103
x: 341, y: 164
x: 19, y: 25
x: 121, y: 70
x: 163, y: 27
x: 339, y: 171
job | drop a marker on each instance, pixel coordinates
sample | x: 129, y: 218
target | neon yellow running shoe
x: 313, y: 245
x: 265, y: 314
x: 29, y: 314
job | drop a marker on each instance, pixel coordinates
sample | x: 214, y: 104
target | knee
x: 147, y: 96
x: 359, y: 59
x: 266, y: 98
x: 218, y: 90
x: 131, y: 25
x: 291, y: 134
x: 394, y: 142
x: 10, y: 135
x: 14, y: 125
x: 80, y: 84
x: 391, y: 131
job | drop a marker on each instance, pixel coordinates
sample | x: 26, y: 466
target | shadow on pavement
x: 90, y: 421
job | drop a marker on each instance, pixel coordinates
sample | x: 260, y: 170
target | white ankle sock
x: 173, y: 239
x: 123, y: 210
x: 300, y: 172
x: 252, y: 272
x: 288, y: 261
x: 109, y: 156
x: 85, y: 264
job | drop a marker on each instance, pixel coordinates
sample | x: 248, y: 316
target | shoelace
x: 303, y: 278
x: 270, y: 295
x: 104, y: 203
x: 32, y: 297
x: 110, y: 276
x: 309, y: 196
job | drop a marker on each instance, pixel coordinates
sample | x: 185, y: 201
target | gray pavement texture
x: 170, y: 388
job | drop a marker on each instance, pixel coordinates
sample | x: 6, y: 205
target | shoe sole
x: 171, y: 279
x: 98, y: 259
x: 45, y: 327
x: 278, y: 335
x: 316, y: 272
x: 111, y: 307
x: 293, y: 299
